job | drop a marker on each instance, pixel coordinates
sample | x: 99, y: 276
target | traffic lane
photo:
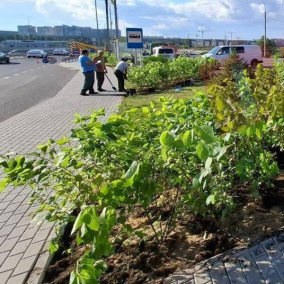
x: 20, y: 92
x: 22, y: 65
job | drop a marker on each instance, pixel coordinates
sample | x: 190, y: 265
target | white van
x: 164, y: 51
x: 251, y: 54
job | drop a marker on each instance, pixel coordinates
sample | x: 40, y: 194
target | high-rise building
x: 27, y: 30
x: 58, y: 31
x: 45, y: 31
x: 65, y: 31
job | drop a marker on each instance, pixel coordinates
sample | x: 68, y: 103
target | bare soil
x: 194, y: 239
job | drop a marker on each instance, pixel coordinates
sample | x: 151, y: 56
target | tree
x: 271, y: 48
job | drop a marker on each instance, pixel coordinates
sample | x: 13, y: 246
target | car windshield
x: 2, y: 54
x: 214, y: 50
x: 166, y: 50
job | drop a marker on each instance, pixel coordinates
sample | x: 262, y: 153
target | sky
x: 243, y: 19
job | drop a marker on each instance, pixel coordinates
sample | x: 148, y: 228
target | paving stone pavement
x: 23, y: 244
x: 260, y: 262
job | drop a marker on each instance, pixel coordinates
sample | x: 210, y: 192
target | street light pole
x: 264, y: 51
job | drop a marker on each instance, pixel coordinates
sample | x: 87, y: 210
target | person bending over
x: 120, y: 71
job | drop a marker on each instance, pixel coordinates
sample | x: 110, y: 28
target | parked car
x: 16, y: 53
x: 165, y: 51
x: 251, y: 54
x: 4, y: 58
x: 36, y: 53
x: 60, y: 51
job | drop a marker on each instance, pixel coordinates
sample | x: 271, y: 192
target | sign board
x: 134, y: 38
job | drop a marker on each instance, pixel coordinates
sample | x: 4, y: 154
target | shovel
x: 113, y: 87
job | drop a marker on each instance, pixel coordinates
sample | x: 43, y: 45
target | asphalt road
x: 25, y: 83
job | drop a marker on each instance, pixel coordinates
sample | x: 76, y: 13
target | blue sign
x: 134, y: 38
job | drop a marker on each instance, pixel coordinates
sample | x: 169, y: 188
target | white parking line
x: 6, y: 77
x: 24, y: 71
x: 32, y: 69
x: 16, y: 74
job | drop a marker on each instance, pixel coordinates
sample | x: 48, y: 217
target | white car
x: 165, y: 51
x: 250, y: 54
x: 16, y: 53
x: 60, y: 51
x: 36, y: 53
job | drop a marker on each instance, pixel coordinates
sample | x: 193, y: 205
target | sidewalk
x: 261, y: 262
x: 22, y: 243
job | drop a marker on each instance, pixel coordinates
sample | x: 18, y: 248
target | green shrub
x: 160, y: 58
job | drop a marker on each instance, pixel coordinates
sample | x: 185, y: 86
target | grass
x: 139, y: 101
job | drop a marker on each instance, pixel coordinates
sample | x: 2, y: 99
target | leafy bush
x: 160, y: 58
x: 95, y: 177
x: 159, y: 72
x: 110, y: 58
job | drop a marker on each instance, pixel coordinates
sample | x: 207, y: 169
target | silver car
x: 60, y: 51
x: 36, y: 53
x: 15, y: 53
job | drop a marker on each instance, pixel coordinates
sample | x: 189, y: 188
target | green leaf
x: 63, y: 140
x: 208, y: 163
x: 3, y: 184
x: 210, y: 200
x: 205, y: 133
x: 54, y: 246
x: 202, y: 152
x: 131, y: 171
x: 167, y: 139
x: 164, y: 154
x: 188, y: 138
x: 73, y: 278
x: 79, y: 221
x: 145, y: 110
x: 219, y: 104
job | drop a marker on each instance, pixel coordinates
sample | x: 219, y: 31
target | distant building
x: 27, y: 30
x: 8, y: 34
x: 45, y: 31
x: 58, y: 31
x: 29, y: 44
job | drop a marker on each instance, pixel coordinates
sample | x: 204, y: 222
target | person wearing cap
x: 101, y: 70
x: 120, y: 71
x: 88, y: 68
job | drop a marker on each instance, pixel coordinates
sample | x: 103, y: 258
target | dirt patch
x: 194, y: 239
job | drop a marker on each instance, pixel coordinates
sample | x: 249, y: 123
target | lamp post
x: 264, y: 51
x: 29, y: 29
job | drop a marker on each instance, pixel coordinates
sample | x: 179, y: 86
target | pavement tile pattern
x: 260, y: 262
x: 23, y: 242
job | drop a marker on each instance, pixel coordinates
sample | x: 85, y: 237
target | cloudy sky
x: 174, y: 18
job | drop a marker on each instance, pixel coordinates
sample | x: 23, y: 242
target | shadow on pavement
x: 12, y: 63
x: 109, y: 93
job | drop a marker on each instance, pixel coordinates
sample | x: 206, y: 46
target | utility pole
x: 264, y: 51
x: 110, y: 16
x: 98, y: 32
x: 107, y: 22
x: 115, y: 19
x: 231, y: 38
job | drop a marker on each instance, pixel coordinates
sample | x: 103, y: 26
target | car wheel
x: 28, y: 56
x: 8, y: 61
x: 254, y: 63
